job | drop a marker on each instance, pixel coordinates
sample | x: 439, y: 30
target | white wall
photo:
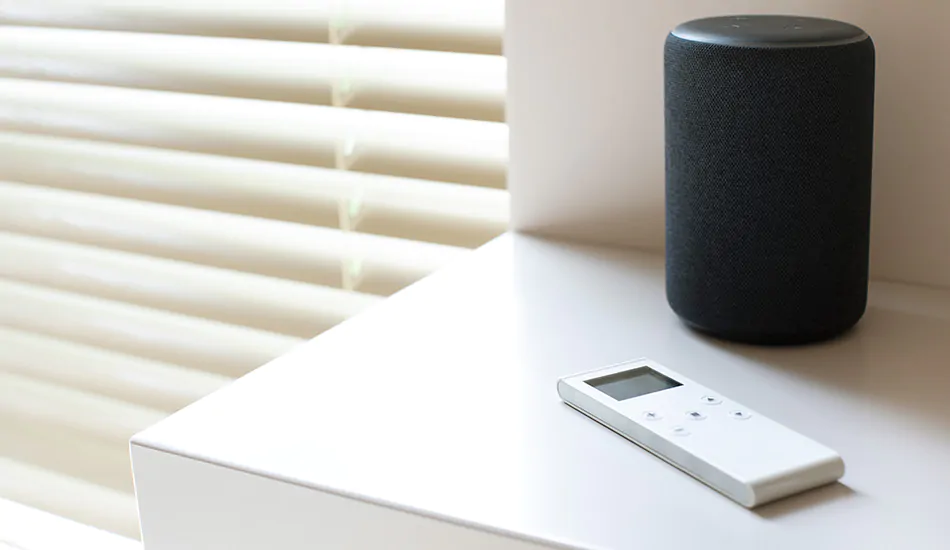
x: 586, y: 115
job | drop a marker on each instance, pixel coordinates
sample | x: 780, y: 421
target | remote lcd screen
x: 633, y: 383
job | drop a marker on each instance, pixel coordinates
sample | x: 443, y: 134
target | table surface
x: 442, y: 401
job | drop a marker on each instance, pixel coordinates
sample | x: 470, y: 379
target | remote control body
x: 729, y: 447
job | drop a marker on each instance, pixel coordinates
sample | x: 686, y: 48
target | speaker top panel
x: 769, y: 31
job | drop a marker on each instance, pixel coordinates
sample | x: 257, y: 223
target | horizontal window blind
x: 190, y: 188
x: 27, y: 527
x: 450, y: 25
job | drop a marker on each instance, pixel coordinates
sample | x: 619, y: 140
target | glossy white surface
x: 442, y: 402
x: 229, y: 509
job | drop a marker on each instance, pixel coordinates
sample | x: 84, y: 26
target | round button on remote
x: 650, y: 415
x: 710, y: 400
x: 680, y: 431
x: 740, y: 415
x: 695, y: 415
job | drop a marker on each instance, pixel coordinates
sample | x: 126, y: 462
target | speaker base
x: 772, y: 339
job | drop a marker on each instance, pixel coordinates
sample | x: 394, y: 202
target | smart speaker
x: 769, y: 138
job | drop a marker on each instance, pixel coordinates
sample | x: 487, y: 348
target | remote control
x: 729, y: 447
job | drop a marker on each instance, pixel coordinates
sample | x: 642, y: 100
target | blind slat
x: 66, y: 496
x: 407, y: 208
x: 61, y: 448
x: 455, y: 25
x: 443, y: 149
x: 152, y: 384
x: 385, y: 79
x: 31, y: 529
x: 279, y: 249
x: 90, y: 414
x: 173, y: 338
x: 273, y: 305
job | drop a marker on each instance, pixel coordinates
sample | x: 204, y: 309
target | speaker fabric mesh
x: 768, y: 187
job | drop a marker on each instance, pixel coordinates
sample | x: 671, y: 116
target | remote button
x: 695, y: 415
x: 650, y: 415
x: 711, y: 400
x: 680, y: 431
x: 740, y: 415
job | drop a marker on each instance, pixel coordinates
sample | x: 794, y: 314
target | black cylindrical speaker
x: 769, y: 137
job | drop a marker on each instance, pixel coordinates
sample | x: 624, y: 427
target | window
x: 188, y: 188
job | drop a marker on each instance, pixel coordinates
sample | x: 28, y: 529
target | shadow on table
x: 893, y: 359
x: 807, y: 501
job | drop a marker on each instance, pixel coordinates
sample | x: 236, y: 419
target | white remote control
x: 733, y: 449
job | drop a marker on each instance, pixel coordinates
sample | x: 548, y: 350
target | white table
x: 438, y: 409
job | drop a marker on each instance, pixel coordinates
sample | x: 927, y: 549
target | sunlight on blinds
x: 190, y: 188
